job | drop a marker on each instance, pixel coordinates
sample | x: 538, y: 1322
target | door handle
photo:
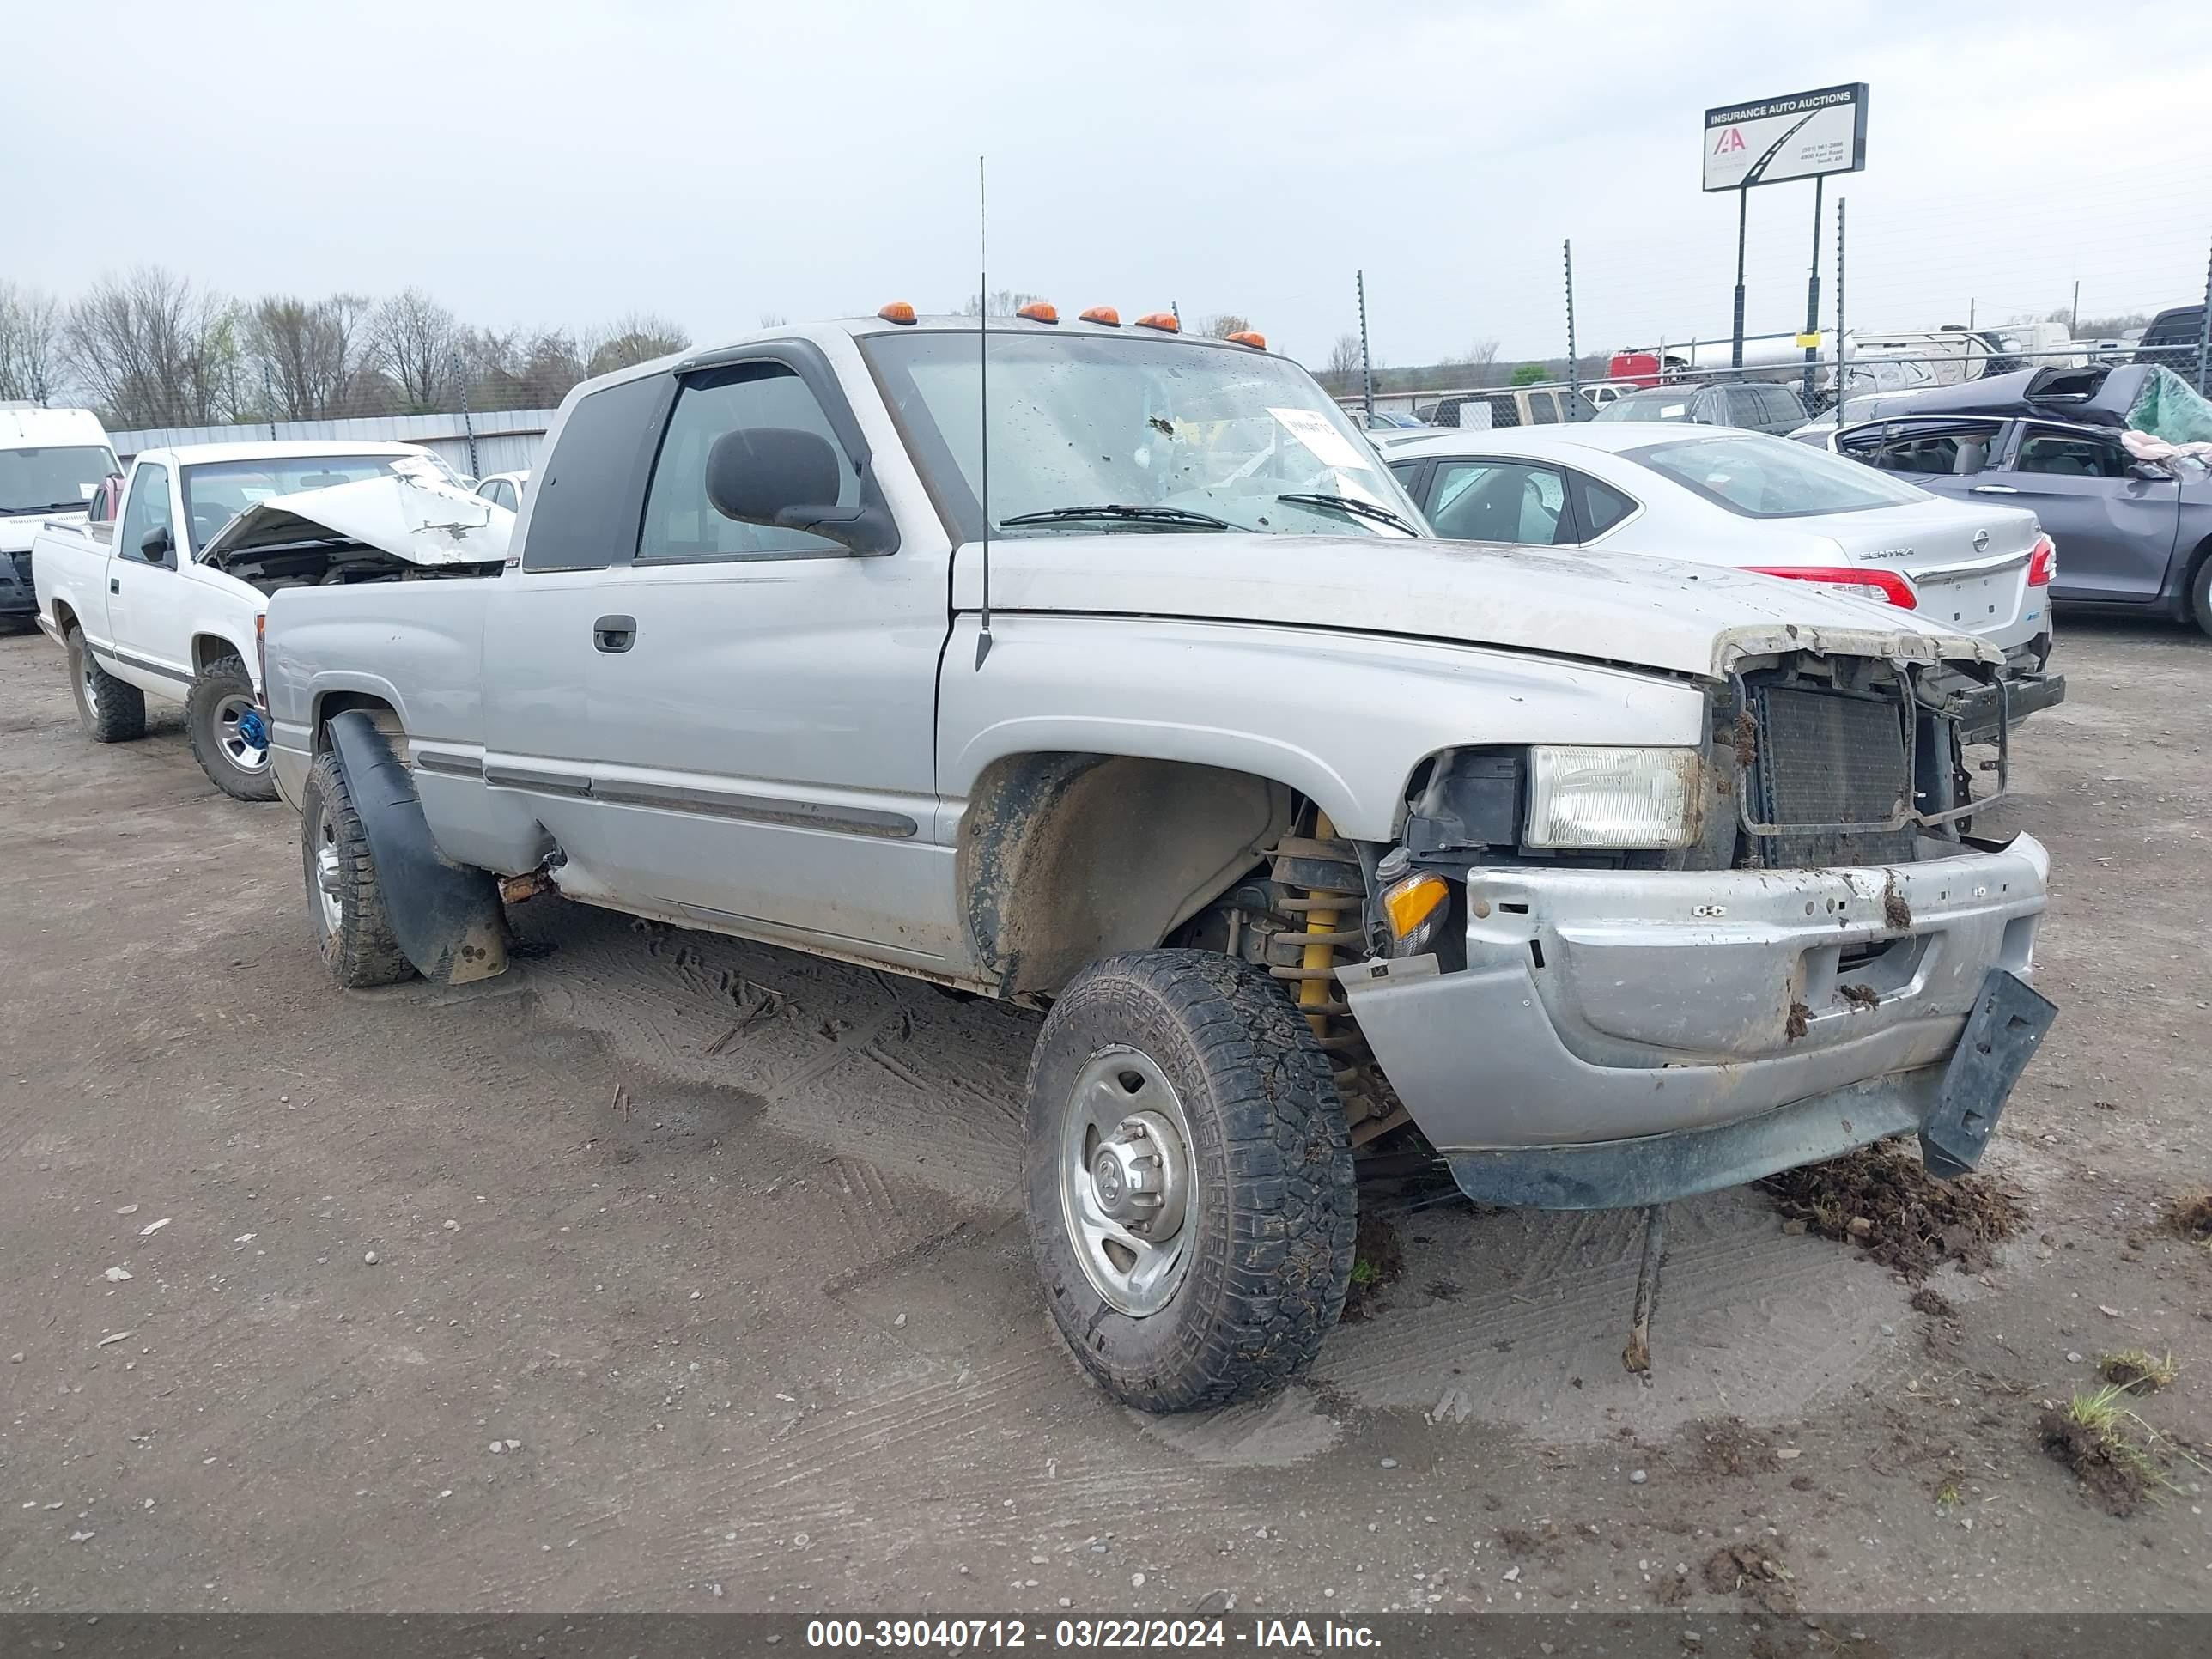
x: 1993, y: 490
x: 114, y: 585
x: 613, y: 634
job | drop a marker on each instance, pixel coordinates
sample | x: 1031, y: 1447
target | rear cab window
x: 585, y: 506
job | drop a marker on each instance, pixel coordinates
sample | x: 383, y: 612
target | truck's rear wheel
x: 113, y: 712
x: 343, y: 900
x: 230, y: 737
x: 1190, y: 1192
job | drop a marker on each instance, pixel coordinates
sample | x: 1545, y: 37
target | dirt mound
x: 1932, y: 1302
x: 1731, y: 1446
x: 1753, y: 1571
x: 2117, y: 1474
x: 1883, y: 1199
x: 2190, y: 1216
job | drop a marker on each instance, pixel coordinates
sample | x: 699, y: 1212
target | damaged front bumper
x: 1624, y: 1037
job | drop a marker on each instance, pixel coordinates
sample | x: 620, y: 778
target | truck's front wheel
x: 1190, y: 1192
x: 113, y: 712
x: 343, y: 899
x: 230, y: 738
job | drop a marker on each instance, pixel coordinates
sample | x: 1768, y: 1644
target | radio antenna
x: 983, y: 388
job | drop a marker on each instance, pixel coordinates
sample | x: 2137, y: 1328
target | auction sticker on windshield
x: 1312, y: 429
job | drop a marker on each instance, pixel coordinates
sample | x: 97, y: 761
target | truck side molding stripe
x: 677, y: 797
x: 459, y: 766
x: 714, y: 803
x: 550, y: 783
x: 140, y: 663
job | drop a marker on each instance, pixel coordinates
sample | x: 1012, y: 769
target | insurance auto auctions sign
x: 1800, y: 137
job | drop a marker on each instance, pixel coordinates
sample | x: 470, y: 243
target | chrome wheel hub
x: 241, y: 732
x: 330, y: 874
x: 1125, y: 1180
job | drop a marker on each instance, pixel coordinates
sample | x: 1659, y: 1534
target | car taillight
x: 2043, y: 563
x: 1886, y: 584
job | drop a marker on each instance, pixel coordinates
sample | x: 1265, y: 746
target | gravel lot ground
x: 518, y: 1298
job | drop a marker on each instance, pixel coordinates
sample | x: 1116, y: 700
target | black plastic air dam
x: 447, y: 918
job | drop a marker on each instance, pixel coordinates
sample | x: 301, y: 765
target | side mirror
x: 2154, y: 471
x: 787, y: 479
x: 157, y: 544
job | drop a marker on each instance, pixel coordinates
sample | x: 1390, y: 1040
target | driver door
x: 145, y: 597
x: 763, y: 705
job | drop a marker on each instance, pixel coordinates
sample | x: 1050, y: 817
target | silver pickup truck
x: 1616, y: 880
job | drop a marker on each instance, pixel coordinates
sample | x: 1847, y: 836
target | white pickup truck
x: 1617, y: 880
x: 144, y: 604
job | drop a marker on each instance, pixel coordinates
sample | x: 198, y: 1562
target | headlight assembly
x: 1614, y: 798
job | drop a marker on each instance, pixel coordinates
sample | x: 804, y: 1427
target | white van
x: 51, y: 464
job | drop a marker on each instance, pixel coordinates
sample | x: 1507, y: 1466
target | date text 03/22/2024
x: 957, y: 1634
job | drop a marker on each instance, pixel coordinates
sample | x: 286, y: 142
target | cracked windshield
x: 1091, y: 434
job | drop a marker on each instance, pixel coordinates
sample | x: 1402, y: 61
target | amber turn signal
x: 1413, y: 901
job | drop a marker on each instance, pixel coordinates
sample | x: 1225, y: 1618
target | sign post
x: 1807, y: 135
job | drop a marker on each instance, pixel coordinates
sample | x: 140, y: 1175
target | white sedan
x: 1722, y: 496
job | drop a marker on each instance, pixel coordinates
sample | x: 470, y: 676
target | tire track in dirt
x: 1519, y: 1320
x: 843, y: 1056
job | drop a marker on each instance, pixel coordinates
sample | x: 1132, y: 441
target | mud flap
x: 447, y: 918
x: 2002, y: 1035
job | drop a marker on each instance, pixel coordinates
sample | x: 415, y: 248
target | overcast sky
x: 559, y: 163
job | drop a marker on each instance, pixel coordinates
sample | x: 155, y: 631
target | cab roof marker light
x: 1039, y: 310
x: 1250, y: 336
x: 1162, y: 321
x: 898, y: 311
x: 1104, y: 316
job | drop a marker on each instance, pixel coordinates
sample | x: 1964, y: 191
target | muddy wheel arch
x: 1065, y: 858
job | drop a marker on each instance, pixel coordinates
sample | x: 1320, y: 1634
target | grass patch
x: 2134, y: 1367
x: 2093, y: 1435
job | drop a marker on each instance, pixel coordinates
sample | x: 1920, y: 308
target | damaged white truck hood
x: 413, y: 514
x: 1655, y: 613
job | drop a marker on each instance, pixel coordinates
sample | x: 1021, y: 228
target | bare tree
x: 1004, y: 302
x: 637, y: 337
x: 1344, y: 362
x: 773, y: 320
x: 30, y: 343
x: 152, y: 350
x: 309, y: 354
x: 1226, y: 323
x: 419, y: 345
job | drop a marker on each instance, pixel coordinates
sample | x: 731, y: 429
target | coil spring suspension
x: 1323, y: 887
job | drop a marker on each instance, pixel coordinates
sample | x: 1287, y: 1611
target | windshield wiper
x: 1350, y: 504
x: 44, y: 507
x: 1179, y: 515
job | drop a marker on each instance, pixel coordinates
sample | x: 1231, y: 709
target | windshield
x: 1180, y: 431
x: 1762, y: 477
x: 216, y: 492
x: 1663, y: 403
x: 52, y: 477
